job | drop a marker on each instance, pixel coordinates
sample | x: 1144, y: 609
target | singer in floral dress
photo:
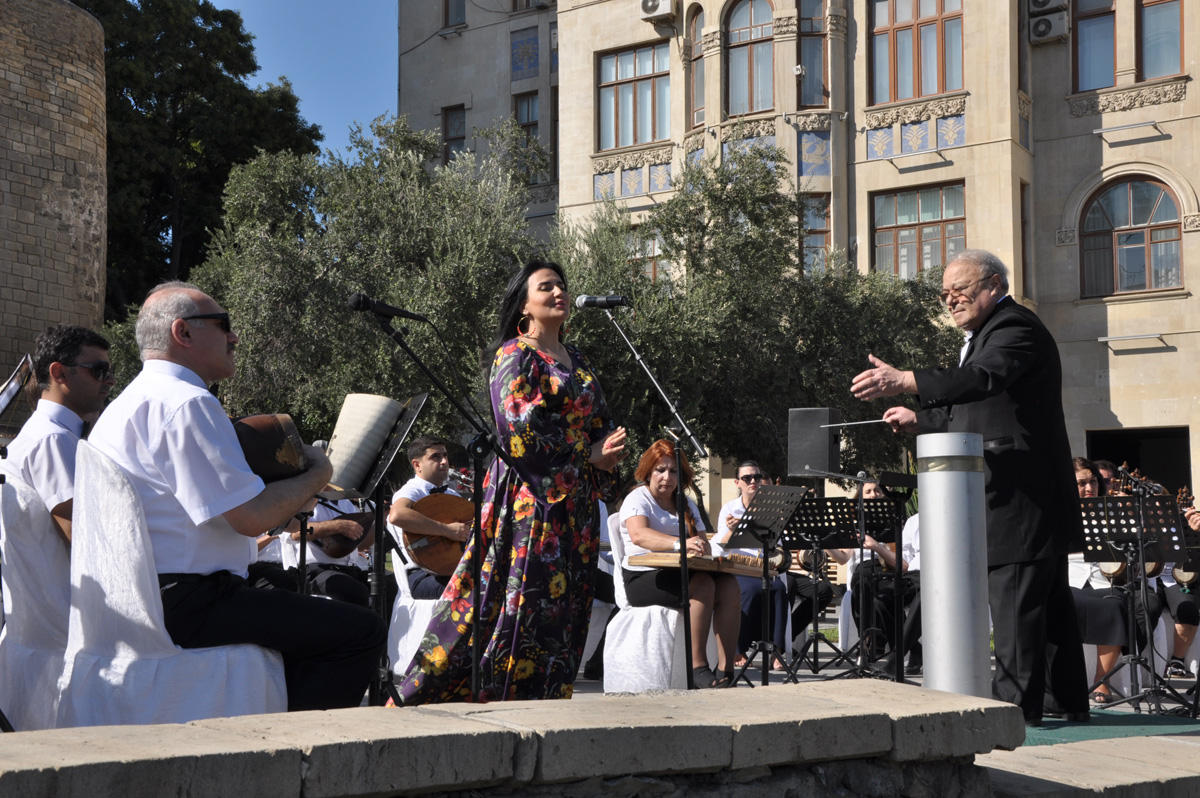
x: 539, y: 518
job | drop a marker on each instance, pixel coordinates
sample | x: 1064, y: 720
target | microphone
x: 610, y: 301
x: 364, y: 302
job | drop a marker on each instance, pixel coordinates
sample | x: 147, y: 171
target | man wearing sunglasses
x: 70, y: 364
x: 1008, y: 387
x: 204, y: 508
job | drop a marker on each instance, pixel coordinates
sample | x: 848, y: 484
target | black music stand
x: 1134, y: 529
x: 762, y: 525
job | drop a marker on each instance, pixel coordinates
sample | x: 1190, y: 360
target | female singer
x: 649, y: 523
x: 539, y: 519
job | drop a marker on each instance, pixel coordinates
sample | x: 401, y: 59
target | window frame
x: 816, y: 204
x: 449, y: 9
x: 652, y: 78
x: 447, y: 139
x: 914, y: 25
x: 917, y: 226
x: 748, y: 44
x: 1076, y: 40
x: 696, y: 37
x: 1113, y: 233
x: 807, y: 29
x: 1142, y: 5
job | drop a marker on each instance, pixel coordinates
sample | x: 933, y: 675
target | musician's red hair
x: 659, y: 449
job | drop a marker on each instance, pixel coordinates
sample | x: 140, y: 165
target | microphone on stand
x: 610, y: 301
x: 364, y: 302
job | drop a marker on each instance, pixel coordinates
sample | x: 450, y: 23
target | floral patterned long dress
x: 541, y: 538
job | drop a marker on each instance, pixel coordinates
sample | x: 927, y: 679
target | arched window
x: 1130, y: 239
x: 696, y: 93
x: 750, y: 58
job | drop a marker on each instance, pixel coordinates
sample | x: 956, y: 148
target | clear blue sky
x: 340, y: 56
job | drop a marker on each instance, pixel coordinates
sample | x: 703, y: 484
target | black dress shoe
x: 1070, y: 717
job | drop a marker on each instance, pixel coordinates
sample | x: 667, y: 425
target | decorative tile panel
x: 660, y: 176
x: 914, y: 137
x: 604, y: 185
x: 880, y: 144
x: 631, y: 182
x: 524, y: 53
x: 952, y: 131
x: 814, y: 153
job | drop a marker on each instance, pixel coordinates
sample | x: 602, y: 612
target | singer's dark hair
x: 513, y: 300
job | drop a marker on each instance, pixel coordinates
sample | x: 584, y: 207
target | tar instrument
x: 730, y: 563
x: 272, y: 446
x: 436, y: 554
x: 340, y: 543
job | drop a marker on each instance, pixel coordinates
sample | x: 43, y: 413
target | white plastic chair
x: 121, y: 666
x: 410, y: 616
x: 644, y: 648
x: 36, y: 584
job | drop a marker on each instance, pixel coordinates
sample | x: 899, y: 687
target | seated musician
x: 1101, y: 609
x: 649, y: 524
x: 204, y: 508
x: 73, y: 377
x: 749, y: 477
x: 335, y: 540
x: 431, y: 470
x: 874, y: 585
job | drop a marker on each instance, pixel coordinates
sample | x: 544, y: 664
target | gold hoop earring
x: 523, y: 324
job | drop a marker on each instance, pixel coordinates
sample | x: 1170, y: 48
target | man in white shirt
x: 431, y: 470
x: 74, y: 376
x: 204, y: 507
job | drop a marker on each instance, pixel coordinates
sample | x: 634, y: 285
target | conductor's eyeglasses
x: 958, y: 290
x: 748, y: 478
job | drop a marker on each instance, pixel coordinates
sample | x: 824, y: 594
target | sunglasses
x: 222, y: 320
x: 101, y: 370
x: 748, y: 478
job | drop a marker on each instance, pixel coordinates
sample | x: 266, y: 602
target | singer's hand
x: 610, y: 451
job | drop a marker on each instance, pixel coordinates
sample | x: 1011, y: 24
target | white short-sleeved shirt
x: 173, y: 439
x: 640, y: 502
x: 910, y: 549
x: 43, y: 453
x: 735, y: 508
x: 414, y: 490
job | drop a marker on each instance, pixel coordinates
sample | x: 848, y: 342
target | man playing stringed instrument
x: 431, y: 470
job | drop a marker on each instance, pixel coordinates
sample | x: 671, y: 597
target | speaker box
x: 809, y: 446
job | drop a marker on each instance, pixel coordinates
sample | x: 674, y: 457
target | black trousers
x: 802, y: 592
x: 1039, y: 656
x: 330, y: 649
x: 879, y: 590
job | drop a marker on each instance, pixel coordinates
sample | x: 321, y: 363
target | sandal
x: 724, y: 680
x: 703, y: 677
x: 1101, y: 698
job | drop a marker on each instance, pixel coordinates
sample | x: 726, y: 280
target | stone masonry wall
x: 52, y: 171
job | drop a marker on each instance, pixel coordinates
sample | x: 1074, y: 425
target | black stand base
x: 5, y: 726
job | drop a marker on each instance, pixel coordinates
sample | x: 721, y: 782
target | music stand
x: 762, y: 524
x: 1134, y: 529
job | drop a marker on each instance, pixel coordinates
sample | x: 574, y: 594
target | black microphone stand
x: 484, y: 441
x: 680, y: 498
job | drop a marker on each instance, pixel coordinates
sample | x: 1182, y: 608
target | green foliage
x: 302, y: 234
x: 744, y: 332
x: 179, y: 117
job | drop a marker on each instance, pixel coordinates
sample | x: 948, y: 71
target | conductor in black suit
x: 1008, y: 388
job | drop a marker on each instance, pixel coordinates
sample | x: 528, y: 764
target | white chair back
x: 36, y: 586
x: 410, y: 616
x: 121, y: 665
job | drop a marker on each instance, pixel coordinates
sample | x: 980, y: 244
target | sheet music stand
x: 1134, y: 529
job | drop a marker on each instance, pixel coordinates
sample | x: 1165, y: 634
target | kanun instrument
x: 731, y: 563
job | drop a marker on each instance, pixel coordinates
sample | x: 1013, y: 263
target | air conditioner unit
x: 1050, y: 28
x: 656, y: 10
x: 1037, y: 7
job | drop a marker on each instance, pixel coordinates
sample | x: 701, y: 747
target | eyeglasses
x: 100, y: 370
x: 958, y: 290
x: 222, y: 319
x: 748, y: 478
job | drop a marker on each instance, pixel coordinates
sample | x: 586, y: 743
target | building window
x: 750, y: 58
x: 554, y: 133
x: 920, y: 229
x: 525, y: 109
x: 454, y: 131
x: 813, y: 91
x: 1160, y: 26
x: 916, y: 48
x: 454, y: 12
x: 1095, y: 44
x: 648, y: 259
x: 816, y: 232
x: 695, y: 34
x: 1130, y: 239
x: 635, y: 96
